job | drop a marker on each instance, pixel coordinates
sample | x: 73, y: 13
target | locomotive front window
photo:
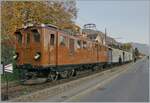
x: 36, y: 35
x: 19, y: 37
x: 28, y: 38
x: 52, y: 39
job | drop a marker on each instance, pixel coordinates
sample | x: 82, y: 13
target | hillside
x: 143, y: 48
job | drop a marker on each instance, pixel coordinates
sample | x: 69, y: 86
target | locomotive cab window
x: 52, y: 39
x: 19, y: 37
x: 36, y: 35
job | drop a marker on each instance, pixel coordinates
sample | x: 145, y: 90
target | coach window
x: 36, y: 35
x: 52, y: 39
x: 62, y: 41
x: 19, y: 37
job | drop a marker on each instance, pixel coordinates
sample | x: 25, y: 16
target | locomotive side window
x: 89, y: 45
x: 84, y: 44
x: 71, y: 45
x: 62, y: 41
x: 19, y: 37
x: 79, y: 44
x: 52, y: 40
x: 36, y: 35
x: 100, y: 47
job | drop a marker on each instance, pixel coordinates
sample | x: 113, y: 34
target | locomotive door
x: 52, y: 49
x: 27, y: 50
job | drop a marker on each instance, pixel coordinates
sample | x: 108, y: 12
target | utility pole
x: 105, y: 36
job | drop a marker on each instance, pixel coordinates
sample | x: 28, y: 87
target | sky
x: 127, y: 21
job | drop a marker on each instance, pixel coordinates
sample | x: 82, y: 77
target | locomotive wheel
x: 69, y: 74
x: 96, y: 67
x: 64, y: 74
x: 25, y: 75
x: 53, y: 76
x: 72, y: 73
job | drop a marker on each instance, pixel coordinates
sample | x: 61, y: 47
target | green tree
x: 126, y: 46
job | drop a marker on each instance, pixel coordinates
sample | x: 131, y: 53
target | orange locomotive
x: 46, y: 51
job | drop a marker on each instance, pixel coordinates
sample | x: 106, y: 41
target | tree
x: 136, y: 52
x: 126, y: 46
x: 15, y: 14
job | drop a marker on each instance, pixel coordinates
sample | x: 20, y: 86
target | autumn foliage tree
x: 15, y: 14
x: 126, y: 46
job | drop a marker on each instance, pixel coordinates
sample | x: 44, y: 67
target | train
x: 45, y: 51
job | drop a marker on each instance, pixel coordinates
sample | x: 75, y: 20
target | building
x: 96, y: 35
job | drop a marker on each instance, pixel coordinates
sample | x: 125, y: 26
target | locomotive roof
x: 38, y: 26
x: 118, y: 49
x: 52, y: 27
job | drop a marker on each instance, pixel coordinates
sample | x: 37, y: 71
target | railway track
x: 19, y: 90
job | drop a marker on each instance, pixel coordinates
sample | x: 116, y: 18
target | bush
x: 7, y: 52
x: 11, y: 76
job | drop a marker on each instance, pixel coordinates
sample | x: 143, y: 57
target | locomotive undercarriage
x: 53, y: 73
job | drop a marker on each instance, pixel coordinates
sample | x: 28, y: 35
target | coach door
x: 123, y: 53
x: 109, y: 55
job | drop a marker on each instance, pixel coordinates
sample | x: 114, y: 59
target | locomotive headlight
x: 15, y: 57
x: 37, y: 56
